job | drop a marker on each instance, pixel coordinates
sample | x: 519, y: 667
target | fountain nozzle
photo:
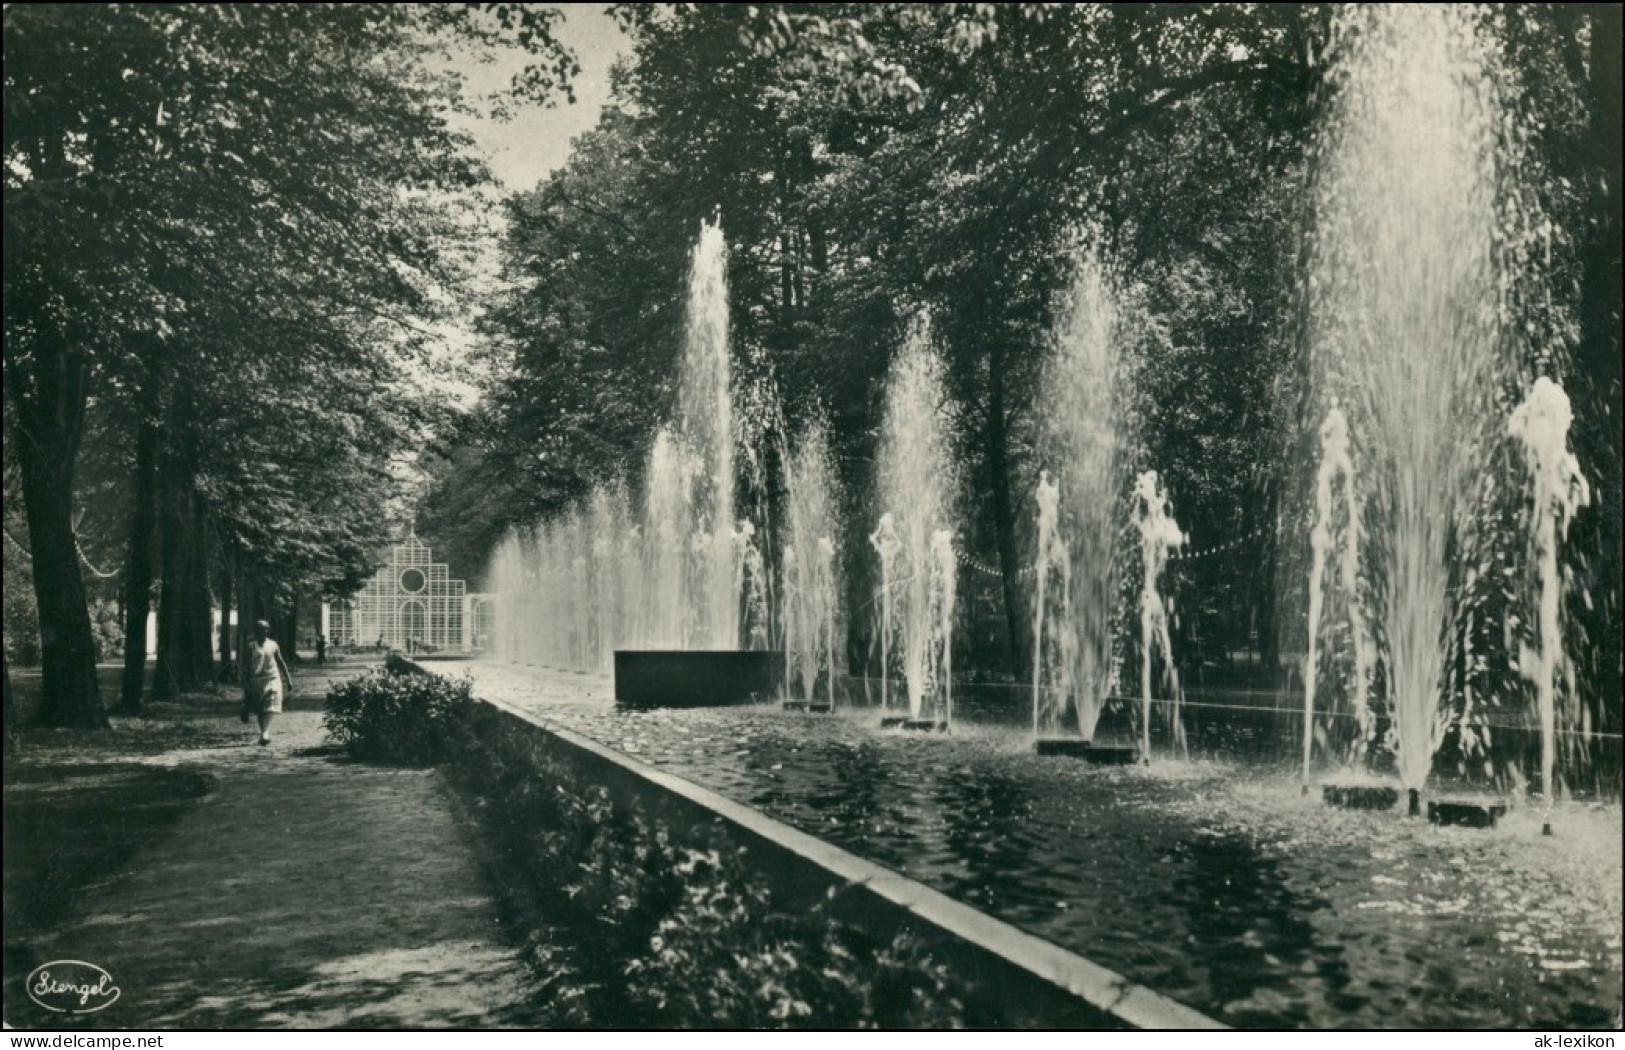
x: 1416, y: 803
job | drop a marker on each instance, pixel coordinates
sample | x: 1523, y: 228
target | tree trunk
x: 198, y: 623
x: 185, y: 658
x: 819, y: 244
x: 49, y: 393
x: 288, y: 637
x: 786, y: 284
x: 138, y: 569
x: 228, y: 667
x: 11, y: 706
x: 69, y: 696
x: 1004, y: 521
x: 166, y: 676
x: 799, y: 287
x: 245, y: 621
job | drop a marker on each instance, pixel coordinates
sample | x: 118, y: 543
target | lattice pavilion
x: 411, y: 603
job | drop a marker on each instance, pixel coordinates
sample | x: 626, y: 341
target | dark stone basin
x: 650, y: 678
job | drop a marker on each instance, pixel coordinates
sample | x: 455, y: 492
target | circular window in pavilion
x: 412, y: 581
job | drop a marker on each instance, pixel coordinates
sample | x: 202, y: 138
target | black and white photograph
x: 908, y: 517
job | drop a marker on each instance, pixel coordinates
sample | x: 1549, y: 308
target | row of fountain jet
x: 1419, y: 269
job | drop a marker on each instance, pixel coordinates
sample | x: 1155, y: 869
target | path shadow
x: 449, y: 984
x: 70, y: 828
x: 333, y: 752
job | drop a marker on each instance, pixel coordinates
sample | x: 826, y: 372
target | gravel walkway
x: 225, y: 885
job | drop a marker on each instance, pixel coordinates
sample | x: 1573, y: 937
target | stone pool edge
x: 811, y: 869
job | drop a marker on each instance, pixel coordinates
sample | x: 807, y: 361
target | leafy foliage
x: 396, y: 717
x: 874, y: 160
x: 235, y: 224
x: 21, y: 620
x: 871, y: 161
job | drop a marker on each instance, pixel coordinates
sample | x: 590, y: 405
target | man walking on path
x: 263, y: 684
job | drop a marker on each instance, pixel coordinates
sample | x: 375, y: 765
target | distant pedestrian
x: 263, y: 685
x: 321, y: 649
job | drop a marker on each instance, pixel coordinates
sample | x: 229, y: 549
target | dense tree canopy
x: 874, y: 159
x: 871, y: 161
x: 229, y: 229
x: 228, y: 226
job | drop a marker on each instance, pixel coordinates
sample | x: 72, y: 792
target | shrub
x: 21, y: 620
x: 396, y: 718
x: 107, y: 629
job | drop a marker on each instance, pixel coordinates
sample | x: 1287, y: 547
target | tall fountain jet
x: 1081, y: 510
x: 1336, y: 465
x: 705, y: 425
x: 696, y: 555
x: 668, y: 486
x: 916, y: 531
x: 506, y: 577
x: 887, y: 547
x: 574, y: 590
x: 1406, y: 301
x: 1541, y: 425
x: 1159, y: 535
x: 810, y: 585
x: 943, y: 590
x: 1053, y: 639
x: 614, y: 580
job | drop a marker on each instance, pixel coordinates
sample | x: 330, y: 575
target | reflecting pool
x: 1214, y: 881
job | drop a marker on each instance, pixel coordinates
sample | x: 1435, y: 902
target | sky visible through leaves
x: 536, y: 140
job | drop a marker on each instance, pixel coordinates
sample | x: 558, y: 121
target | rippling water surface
x: 1214, y: 882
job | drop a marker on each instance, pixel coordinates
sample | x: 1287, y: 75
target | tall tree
x: 272, y: 161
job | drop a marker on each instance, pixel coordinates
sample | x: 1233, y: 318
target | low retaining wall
x: 1034, y: 982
